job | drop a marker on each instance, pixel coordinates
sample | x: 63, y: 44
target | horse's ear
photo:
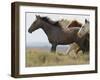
x: 86, y: 20
x: 37, y: 16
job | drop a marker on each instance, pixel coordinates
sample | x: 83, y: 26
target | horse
x: 83, y: 43
x: 84, y: 29
x: 64, y: 23
x: 83, y: 32
x: 80, y: 44
x: 55, y: 33
x: 74, y: 23
x: 69, y: 23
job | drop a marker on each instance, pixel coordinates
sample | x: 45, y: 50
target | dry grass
x: 36, y: 57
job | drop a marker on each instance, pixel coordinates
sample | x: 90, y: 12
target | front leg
x: 72, y: 46
x: 53, y: 48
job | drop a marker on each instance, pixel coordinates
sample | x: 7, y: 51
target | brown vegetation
x: 38, y: 57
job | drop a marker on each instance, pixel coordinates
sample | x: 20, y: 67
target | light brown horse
x: 56, y: 35
x: 84, y: 29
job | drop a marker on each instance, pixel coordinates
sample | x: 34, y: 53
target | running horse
x: 55, y: 33
x: 64, y: 23
x: 84, y: 29
x: 82, y: 33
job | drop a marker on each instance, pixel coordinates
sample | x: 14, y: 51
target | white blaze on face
x: 84, y: 29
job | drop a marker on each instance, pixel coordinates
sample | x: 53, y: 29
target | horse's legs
x: 69, y: 49
x: 72, y: 46
x: 77, y: 51
x: 53, y: 48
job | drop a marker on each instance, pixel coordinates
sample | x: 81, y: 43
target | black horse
x: 55, y: 33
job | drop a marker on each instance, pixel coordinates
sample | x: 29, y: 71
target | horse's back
x: 74, y: 29
x: 75, y: 23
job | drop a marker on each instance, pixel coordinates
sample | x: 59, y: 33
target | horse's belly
x: 62, y: 41
x: 62, y: 38
x: 65, y: 42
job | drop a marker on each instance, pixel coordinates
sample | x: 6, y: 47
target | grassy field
x: 40, y: 57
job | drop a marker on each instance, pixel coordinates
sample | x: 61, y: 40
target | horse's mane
x: 74, y: 23
x: 48, y: 20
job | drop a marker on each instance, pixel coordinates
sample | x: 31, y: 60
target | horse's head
x: 35, y: 25
x: 84, y: 29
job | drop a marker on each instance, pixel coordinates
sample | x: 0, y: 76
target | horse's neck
x: 47, y: 27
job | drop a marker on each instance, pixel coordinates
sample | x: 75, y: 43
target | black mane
x: 48, y: 20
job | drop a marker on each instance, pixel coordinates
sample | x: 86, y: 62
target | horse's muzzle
x: 29, y: 31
